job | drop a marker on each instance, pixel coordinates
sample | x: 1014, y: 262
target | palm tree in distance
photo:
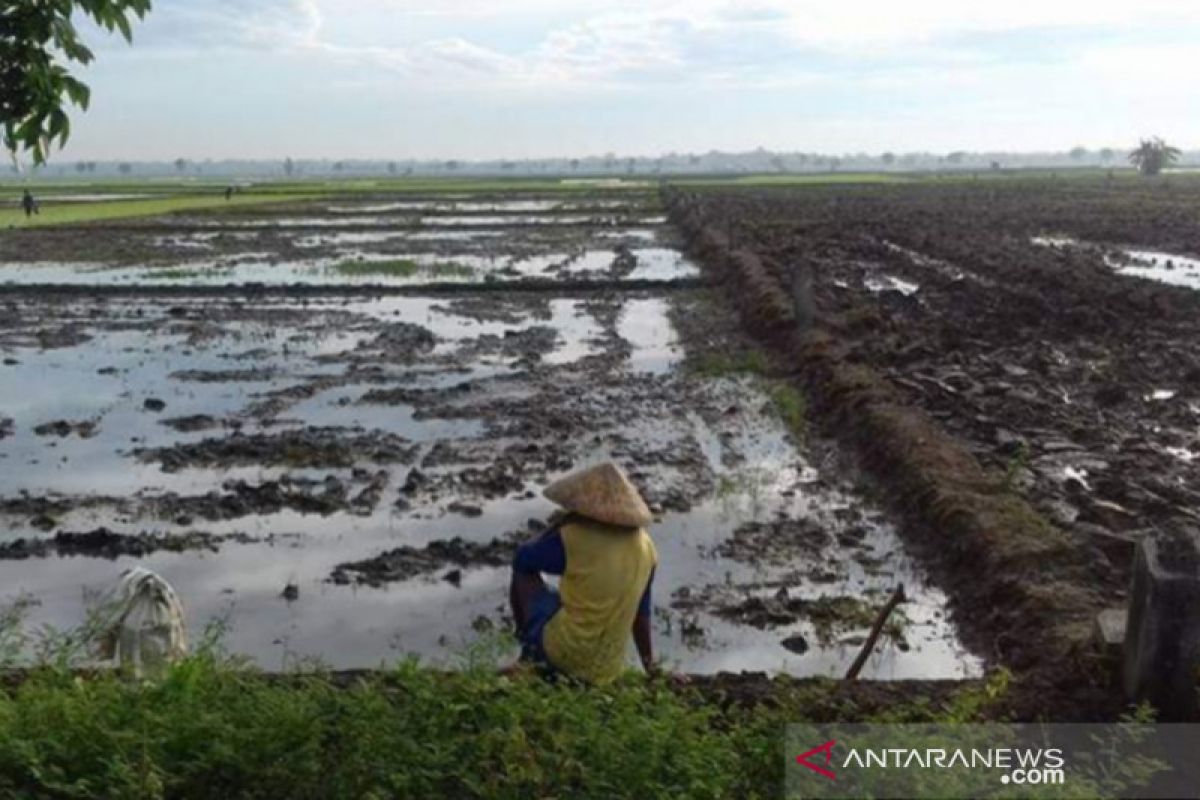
x: 1153, y: 155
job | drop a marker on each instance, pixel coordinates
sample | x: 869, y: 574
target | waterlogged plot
x: 384, y: 456
x: 347, y: 476
x: 326, y: 244
x: 463, y: 206
x: 362, y: 268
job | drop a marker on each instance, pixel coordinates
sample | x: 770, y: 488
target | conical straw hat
x: 602, y: 493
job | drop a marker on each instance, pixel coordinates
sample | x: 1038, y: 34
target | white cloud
x: 620, y: 42
x: 270, y: 24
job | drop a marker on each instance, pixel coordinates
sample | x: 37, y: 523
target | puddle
x: 645, y: 325
x: 1183, y: 454
x: 1153, y: 265
x: 1054, y: 241
x: 634, y: 234
x: 1163, y: 267
x: 482, y: 220
x: 890, y: 283
x: 938, y: 266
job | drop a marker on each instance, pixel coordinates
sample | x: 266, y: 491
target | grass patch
x: 180, y: 273
x: 68, y: 213
x: 402, y: 268
x: 397, y: 268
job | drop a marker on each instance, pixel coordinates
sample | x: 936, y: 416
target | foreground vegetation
x: 213, y: 728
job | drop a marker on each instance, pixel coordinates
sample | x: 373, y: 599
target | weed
x: 1018, y: 464
x: 449, y: 269
x: 721, y: 365
x: 403, y: 268
x: 743, y: 491
x: 792, y: 407
x: 832, y: 616
x: 179, y: 274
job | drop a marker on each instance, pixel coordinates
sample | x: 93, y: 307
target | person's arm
x: 641, y: 629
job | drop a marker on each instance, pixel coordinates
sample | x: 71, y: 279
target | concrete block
x: 1162, y: 637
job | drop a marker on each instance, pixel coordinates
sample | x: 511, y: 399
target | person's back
x: 29, y: 204
x: 607, y: 571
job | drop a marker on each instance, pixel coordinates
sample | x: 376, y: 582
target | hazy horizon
x: 400, y: 80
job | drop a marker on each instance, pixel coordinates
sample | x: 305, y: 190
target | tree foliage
x: 38, y: 44
x: 1153, y: 155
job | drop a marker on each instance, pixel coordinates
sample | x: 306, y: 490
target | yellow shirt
x: 607, y: 570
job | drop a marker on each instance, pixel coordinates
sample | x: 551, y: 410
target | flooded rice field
x: 361, y: 267
x: 345, y: 478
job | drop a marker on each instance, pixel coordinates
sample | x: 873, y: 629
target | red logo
x: 827, y: 749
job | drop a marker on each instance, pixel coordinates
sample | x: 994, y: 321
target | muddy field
x: 1050, y: 327
x: 343, y: 473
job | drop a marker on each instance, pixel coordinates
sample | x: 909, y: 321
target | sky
x: 467, y: 79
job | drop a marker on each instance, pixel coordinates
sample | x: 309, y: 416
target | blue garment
x: 548, y: 555
x: 545, y: 605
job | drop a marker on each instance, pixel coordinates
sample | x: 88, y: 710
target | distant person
x: 228, y: 192
x: 606, y: 560
x: 29, y: 204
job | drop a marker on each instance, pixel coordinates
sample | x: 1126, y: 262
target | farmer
x: 602, y: 551
x: 29, y: 204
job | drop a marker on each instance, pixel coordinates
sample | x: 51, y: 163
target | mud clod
x: 104, y: 543
x: 308, y: 447
x: 85, y: 429
x: 405, y: 563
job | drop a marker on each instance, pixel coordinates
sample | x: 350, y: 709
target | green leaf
x: 123, y: 24
x: 39, y: 44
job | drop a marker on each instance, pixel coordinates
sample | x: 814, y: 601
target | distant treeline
x: 713, y: 162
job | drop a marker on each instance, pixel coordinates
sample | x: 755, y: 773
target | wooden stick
x: 869, y: 646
